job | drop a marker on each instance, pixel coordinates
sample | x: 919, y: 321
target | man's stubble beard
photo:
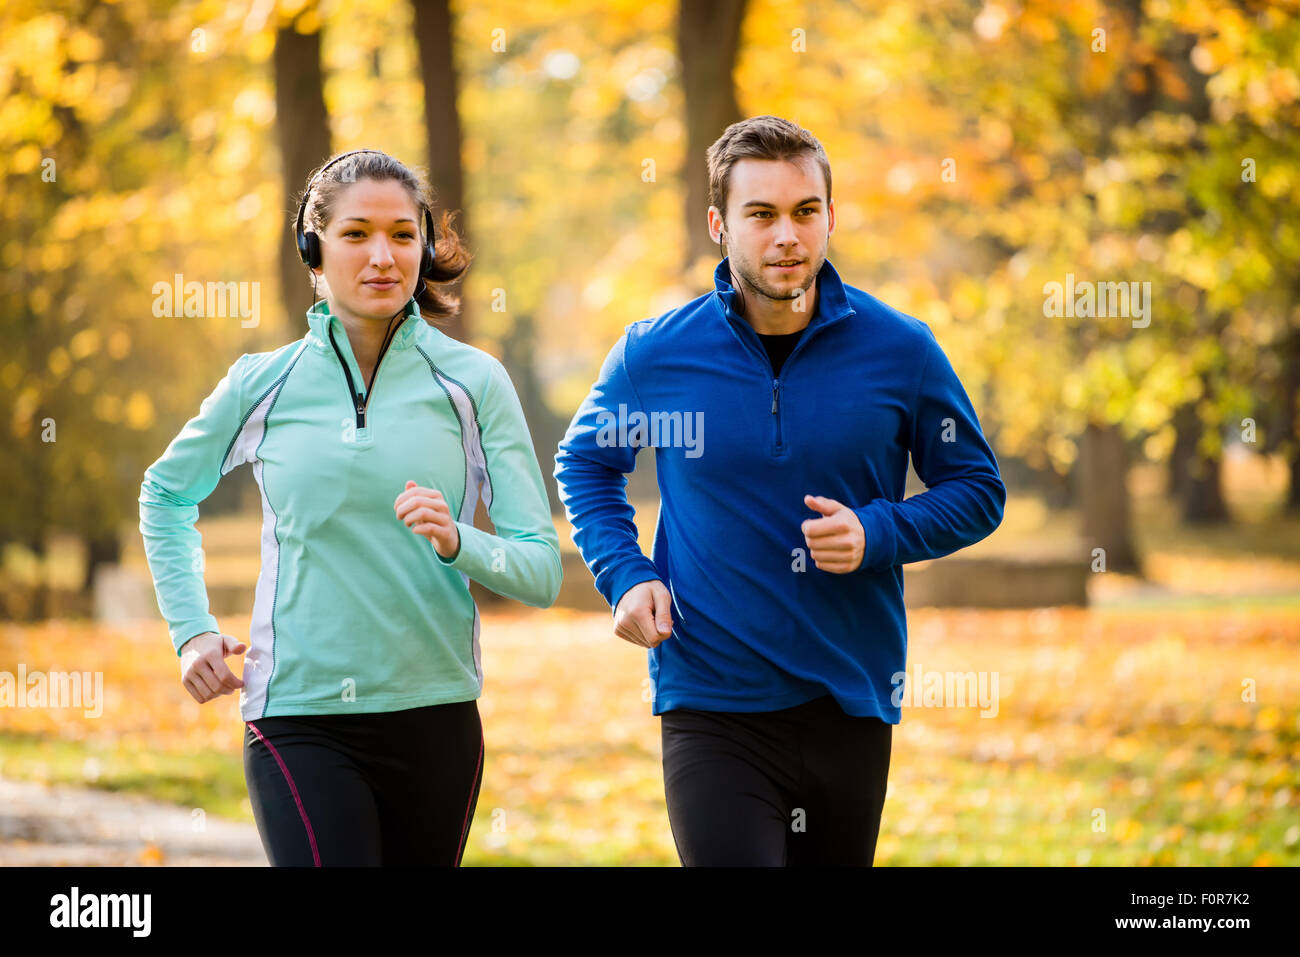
x: 759, y: 285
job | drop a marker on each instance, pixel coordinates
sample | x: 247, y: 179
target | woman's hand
x: 426, y: 513
x: 203, y: 667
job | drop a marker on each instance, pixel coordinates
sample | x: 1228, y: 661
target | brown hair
x: 451, y: 258
x: 759, y: 137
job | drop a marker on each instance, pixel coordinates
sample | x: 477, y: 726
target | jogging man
x: 773, y: 605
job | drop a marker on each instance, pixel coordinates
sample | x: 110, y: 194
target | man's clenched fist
x: 644, y: 614
x: 836, y: 540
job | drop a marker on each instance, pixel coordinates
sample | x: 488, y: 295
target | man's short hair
x: 759, y: 137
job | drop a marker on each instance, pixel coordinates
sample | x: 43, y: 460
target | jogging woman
x: 372, y: 439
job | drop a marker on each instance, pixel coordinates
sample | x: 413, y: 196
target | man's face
x: 777, y: 212
x: 374, y: 235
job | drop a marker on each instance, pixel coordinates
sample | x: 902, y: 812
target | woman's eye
x: 353, y: 232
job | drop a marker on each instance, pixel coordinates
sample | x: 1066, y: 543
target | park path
x: 44, y: 825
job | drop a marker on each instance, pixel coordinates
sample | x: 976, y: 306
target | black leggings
x: 393, y: 788
x: 800, y: 786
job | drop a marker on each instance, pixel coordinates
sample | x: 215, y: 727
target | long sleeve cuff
x: 621, y: 578
x: 525, y: 570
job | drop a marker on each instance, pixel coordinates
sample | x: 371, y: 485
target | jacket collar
x: 832, y: 301
x: 320, y: 319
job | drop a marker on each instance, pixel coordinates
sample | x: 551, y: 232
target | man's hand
x: 426, y: 513
x: 836, y: 541
x: 644, y: 614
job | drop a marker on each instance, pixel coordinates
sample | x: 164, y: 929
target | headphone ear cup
x: 429, y: 254
x: 309, y: 249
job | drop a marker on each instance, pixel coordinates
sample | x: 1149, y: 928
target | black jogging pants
x: 799, y: 786
x: 390, y: 788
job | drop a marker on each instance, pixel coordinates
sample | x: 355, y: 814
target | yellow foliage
x: 139, y: 411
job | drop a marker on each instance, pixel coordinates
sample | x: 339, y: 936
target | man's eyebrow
x: 802, y: 202
x: 362, y: 219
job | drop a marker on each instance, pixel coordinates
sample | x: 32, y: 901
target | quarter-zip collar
x: 320, y: 319
x: 832, y: 301
x: 327, y: 333
x: 831, y: 306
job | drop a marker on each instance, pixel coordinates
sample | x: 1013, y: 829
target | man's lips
x: 791, y: 266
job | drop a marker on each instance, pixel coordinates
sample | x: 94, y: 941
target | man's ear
x: 722, y: 225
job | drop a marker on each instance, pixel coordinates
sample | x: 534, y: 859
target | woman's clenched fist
x: 426, y: 513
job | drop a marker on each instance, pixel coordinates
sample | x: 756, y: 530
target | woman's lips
x: 382, y: 286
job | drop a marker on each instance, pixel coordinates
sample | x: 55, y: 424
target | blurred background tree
x: 980, y: 151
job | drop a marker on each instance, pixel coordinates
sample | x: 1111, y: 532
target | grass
x: 211, y: 779
x: 1128, y: 720
x: 1159, y: 727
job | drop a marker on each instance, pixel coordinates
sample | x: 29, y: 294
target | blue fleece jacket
x: 756, y: 625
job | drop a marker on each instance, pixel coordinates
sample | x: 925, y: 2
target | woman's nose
x: 380, y: 254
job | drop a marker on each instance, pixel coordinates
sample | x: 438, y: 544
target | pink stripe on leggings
x: 464, y: 828
x: 311, y: 835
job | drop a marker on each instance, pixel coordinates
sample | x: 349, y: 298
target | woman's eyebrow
x: 362, y: 219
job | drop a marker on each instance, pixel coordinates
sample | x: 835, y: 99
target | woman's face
x: 370, y: 253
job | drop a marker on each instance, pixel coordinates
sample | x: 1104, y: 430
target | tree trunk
x: 1058, y: 490
x: 103, y: 549
x: 708, y: 38
x: 1203, y: 502
x: 545, y: 427
x: 1186, y: 433
x: 1288, y: 418
x: 1104, y: 498
x: 42, y: 602
x: 433, y: 39
x: 1293, y: 494
x: 1195, y: 481
x: 303, y: 134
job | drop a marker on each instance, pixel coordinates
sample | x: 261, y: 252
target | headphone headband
x: 309, y: 243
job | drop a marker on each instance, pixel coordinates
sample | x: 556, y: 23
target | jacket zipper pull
x: 774, y: 398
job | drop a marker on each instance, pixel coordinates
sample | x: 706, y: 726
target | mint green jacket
x: 353, y: 611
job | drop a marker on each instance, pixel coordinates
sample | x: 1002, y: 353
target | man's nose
x: 785, y: 234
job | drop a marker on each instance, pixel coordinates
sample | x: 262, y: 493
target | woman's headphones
x: 309, y: 242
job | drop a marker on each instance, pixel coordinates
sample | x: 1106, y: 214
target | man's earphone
x: 743, y: 305
x: 309, y: 243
